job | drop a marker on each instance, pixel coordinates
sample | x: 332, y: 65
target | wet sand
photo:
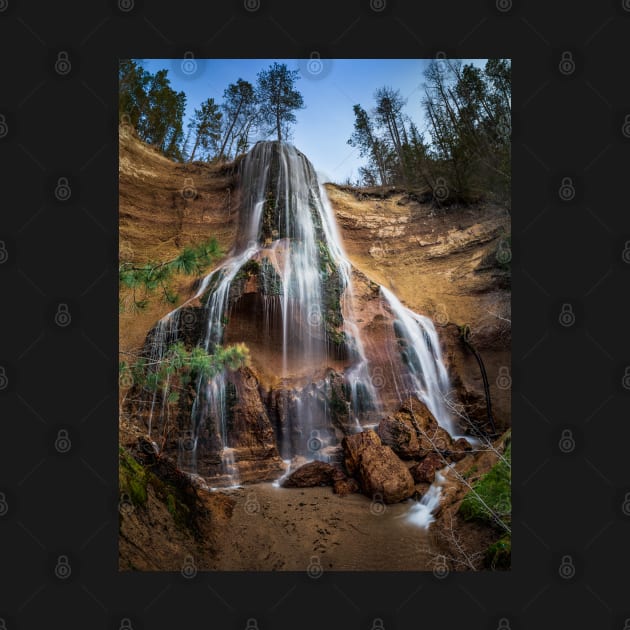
x: 290, y: 529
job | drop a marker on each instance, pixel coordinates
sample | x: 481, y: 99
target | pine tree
x: 364, y: 139
x: 154, y: 108
x: 206, y: 129
x: 239, y: 113
x: 278, y: 99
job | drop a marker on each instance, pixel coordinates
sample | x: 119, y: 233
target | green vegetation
x: 490, y: 499
x: 499, y: 554
x: 338, y: 405
x: 239, y: 116
x: 149, y: 104
x: 250, y: 268
x: 270, y: 280
x: 466, y: 155
x: 145, y: 279
x: 278, y: 99
x: 205, y: 128
x: 178, y: 367
x: 216, y: 131
x: 132, y: 478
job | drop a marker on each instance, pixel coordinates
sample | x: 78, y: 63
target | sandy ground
x: 290, y: 529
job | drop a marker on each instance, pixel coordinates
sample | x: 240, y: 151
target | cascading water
x: 303, y: 319
x: 289, y: 233
x: 426, y: 376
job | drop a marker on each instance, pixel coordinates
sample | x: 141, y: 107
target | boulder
x: 399, y: 434
x: 313, y: 474
x: 413, y: 432
x: 377, y: 468
x: 354, y: 445
x: 424, y: 472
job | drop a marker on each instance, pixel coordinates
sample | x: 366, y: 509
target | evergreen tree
x: 278, y: 99
x: 133, y: 81
x: 206, y: 129
x: 388, y: 115
x: 178, y: 367
x: 154, y: 108
x: 364, y: 139
x: 469, y: 110
x: 239, y: 114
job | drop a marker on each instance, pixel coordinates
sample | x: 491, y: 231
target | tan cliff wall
x: 440, y: 263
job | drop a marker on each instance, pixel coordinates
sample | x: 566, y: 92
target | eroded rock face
x: 447, y: 265
x: 251, y: 442
x: 377, y: 468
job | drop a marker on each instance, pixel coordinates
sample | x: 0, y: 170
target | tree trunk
x: 192, y: 153
x: 278, y: 128
x: 227, y: 135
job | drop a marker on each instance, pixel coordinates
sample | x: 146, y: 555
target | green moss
x: 491, y: 500
x: 326, y: 263
x: 171, y: 504
x: 176, y: 508
x: 336, y: 337
x: 499, y: 554
x: 270, y: 281
x: 132, y: 478
x: 231, y: 398
x: 135, y: 479
x: 338, y: 405
x: 269, y: 216
x: 250, y: 268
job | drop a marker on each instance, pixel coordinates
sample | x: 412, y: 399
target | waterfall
x: 426, y: 375
x: 300, y: 313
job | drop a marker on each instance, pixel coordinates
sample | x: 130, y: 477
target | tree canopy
x: 217, y: 130
x: 278, y: 99
x: 153, y: 108
x: 466, y: 145
x: 463, y: 145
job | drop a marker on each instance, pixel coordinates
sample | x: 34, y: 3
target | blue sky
x: 330, y: 87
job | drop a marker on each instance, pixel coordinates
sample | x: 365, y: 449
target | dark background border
x: 566, y: 125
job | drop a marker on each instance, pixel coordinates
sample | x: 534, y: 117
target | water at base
x: 421, y: 513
